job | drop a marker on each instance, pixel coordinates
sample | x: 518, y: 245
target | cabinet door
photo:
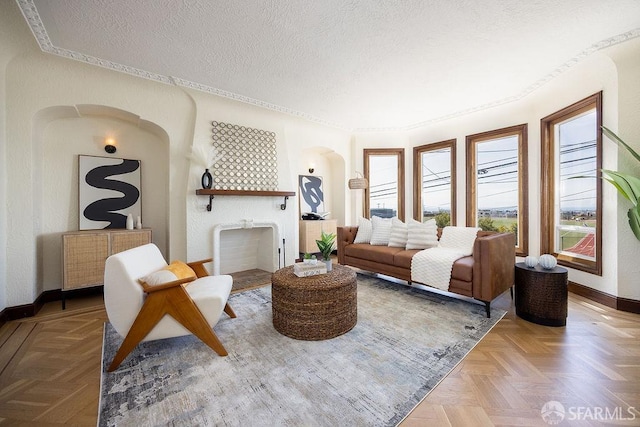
x: 83, y: 259
x: 123, y: 240
x: 310, y: 231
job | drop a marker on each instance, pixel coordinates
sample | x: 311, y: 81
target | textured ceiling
x: 357, y: 65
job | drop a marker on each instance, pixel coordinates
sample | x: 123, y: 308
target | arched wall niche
x: 332, y: 168
x: 60, y: 135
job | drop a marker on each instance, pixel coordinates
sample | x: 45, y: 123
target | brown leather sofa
x: 484, y: 275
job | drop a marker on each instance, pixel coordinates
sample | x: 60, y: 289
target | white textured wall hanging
x: 248, y: 158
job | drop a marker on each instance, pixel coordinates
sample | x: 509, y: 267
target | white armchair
x: 139, y: 311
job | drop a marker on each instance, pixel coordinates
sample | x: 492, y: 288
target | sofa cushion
x: 363, y: 235
x: 381, y: 231
x: 381, y: 254
x: 463, y: 269
x: 402, y: 259
x: 398, y: 237
x: 422, y: 235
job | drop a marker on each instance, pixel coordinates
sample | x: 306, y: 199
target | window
x: 384, y: 169
x: 497, y: 182
x: 434, y: 178
x: 572, y: 208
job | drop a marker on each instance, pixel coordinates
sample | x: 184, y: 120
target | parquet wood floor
x: 50, y: 369
x: 588, y: 366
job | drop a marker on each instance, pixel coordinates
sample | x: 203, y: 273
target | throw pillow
x: 381, y: 231
x: 422, y: 235
x: 459, y: 238
x: 363, y: 235
x: 398, y: 237
x: 174, y: 271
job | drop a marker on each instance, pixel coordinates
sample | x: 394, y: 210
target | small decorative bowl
x: 548, y: 262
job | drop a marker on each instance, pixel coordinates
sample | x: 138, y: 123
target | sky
x: 497, y: 176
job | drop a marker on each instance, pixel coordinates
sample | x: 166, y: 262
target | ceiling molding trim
x: 603, y: 44
x: 30, y: 12
x: 247, y: 100
x: 32, y: 17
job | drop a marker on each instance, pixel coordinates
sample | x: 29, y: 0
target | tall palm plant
x: 627, y: 185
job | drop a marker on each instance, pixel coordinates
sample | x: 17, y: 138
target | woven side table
x: 316, y: 307
x: 541, y: 295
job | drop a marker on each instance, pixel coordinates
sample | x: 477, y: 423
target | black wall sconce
x: 109, y: 145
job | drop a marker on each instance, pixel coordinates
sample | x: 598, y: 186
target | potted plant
x: 325, y: 245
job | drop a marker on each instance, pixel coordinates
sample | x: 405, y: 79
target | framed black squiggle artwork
x: 311, y: 194
x: 108, y: 190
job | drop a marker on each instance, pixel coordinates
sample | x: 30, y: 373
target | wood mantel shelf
x: 211, y: 193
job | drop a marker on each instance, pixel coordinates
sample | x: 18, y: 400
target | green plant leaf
x: 325, y: 244
x: 627, y: 185
x: 615, y: 138
x: 634, y: 219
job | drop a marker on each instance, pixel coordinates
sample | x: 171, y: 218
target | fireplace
x: 246, y: 245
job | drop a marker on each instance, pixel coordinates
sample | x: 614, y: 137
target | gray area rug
x: 406, y: 340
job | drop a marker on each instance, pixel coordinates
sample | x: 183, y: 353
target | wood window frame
x: 399, y: 153
x: 547, y: 202
x: 417, y: 176
x: 523, y: 176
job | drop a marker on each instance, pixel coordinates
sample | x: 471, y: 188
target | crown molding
x: 30, y: 13
x: 603, y: 44
x: 32, y: 17
x: 256, y: 102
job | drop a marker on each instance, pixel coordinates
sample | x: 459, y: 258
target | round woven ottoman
x: 316, y: 307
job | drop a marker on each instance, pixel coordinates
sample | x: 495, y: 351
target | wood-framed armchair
x: 142, y: 310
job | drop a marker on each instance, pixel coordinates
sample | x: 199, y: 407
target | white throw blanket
x: 433, y: 266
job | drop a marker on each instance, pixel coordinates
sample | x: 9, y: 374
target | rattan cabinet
x: 310, y: 231
x: 84, y: 254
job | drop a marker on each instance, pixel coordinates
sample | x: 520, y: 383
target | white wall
x: 42, y: 87
x: 33, y: 83
x: 627, y: 60
x: 594, y: 74
x: 59, y: 181
x: 297, y: 142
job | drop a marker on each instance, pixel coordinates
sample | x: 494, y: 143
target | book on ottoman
x: 301, y: 269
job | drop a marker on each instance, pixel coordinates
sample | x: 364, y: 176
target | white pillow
x: 364, y: 231
x: 422, y: 235
x: 381, y: 231
x: 398, y: 237
x: 459, y: 238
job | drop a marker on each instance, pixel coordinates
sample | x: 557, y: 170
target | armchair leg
x: 176, y: 303
x: 229, y: 311
x: 185, y: 311
x: 149, y: 315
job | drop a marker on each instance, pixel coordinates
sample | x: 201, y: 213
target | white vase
x: 139, y: 223
x: 531, y: 261
x: 329, y: 265
x: 548, y: 262
x: 130, y: 222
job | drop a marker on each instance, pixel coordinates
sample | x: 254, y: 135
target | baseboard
x: 30, y: 310
x: 618, y: 303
